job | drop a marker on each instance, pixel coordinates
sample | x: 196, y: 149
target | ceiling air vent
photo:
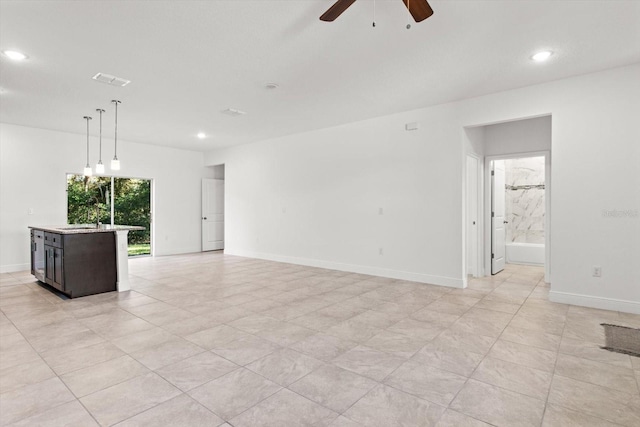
x: 111, y: 80
x: 233, y: 112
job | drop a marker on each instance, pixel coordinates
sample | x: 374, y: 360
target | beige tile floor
x: 210, y: 339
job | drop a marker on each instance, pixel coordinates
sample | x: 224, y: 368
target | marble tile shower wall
x: 525, y: 200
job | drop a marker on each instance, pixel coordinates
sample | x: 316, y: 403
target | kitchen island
x: 81, y: 259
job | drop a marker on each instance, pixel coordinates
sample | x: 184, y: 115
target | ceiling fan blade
x: 336, y: 10
x: 419, y: 9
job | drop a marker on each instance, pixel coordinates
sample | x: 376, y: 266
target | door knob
x: 204, y: 217
x: 506, y: 222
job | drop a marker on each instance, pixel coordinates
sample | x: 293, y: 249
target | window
x: 111, y: 200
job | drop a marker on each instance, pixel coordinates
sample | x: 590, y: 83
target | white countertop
x: 85, y: 228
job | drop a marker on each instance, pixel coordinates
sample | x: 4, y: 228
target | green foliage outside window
x: 132, y: 200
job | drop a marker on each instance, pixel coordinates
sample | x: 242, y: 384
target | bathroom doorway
x: 519, y: 210
x: 517, y: 138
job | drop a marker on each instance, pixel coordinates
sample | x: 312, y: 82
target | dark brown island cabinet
x: 75, y: 264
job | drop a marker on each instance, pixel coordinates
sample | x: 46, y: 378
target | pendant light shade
x: 115, y: 163
x: 99, y: 165
x: 87, y: 168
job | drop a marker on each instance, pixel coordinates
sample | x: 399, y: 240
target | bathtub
x: 525, y: 253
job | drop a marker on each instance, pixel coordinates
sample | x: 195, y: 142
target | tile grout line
x: 478, y: 365
x: 330, y: 302
x: 546, y: 403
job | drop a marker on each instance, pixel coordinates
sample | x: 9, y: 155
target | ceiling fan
x: 419, y: 9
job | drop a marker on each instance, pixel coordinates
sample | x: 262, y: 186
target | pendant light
x: 87, y: 168
x: 374, y: 13
x: 99, y: 165
x: 115, y: 163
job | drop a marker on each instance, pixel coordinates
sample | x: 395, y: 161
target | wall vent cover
x: 111, y: 80
x: 233, y: 112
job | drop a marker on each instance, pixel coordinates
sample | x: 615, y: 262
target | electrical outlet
x: 30, y: 211
x: 597, y: 271
x: 380, y: 251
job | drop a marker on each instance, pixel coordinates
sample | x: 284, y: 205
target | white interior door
x: 212, y: 214
x: 497, y: 217
x: 472, y: 216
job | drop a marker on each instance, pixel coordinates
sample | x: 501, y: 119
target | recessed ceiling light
x: 542, y: 56
x: 15, y: 55
x: 202, y: 135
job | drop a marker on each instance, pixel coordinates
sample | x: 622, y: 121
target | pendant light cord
x: 87, y: 118
x: 115, y: 145
x: 100, y: 153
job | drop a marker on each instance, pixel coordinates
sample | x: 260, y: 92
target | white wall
x: 34, y: 164
x: 518, y: 136
x: 313, y: 198
x: 218, y: 171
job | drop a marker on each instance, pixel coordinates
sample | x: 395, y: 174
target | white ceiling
x: 189, y: 60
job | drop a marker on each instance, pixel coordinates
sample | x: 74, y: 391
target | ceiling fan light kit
x: 419, y: 10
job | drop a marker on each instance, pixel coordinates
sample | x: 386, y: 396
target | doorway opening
x: 213, y: 211
x: 520, y: 150
x: 113, y: 200
x: 518, y: 211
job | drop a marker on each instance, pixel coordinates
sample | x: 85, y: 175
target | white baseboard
x: 177, y: 251
x: 533, y: 264
x: 353, y: 268
x: 12, y: 268
x: 595, y: 302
